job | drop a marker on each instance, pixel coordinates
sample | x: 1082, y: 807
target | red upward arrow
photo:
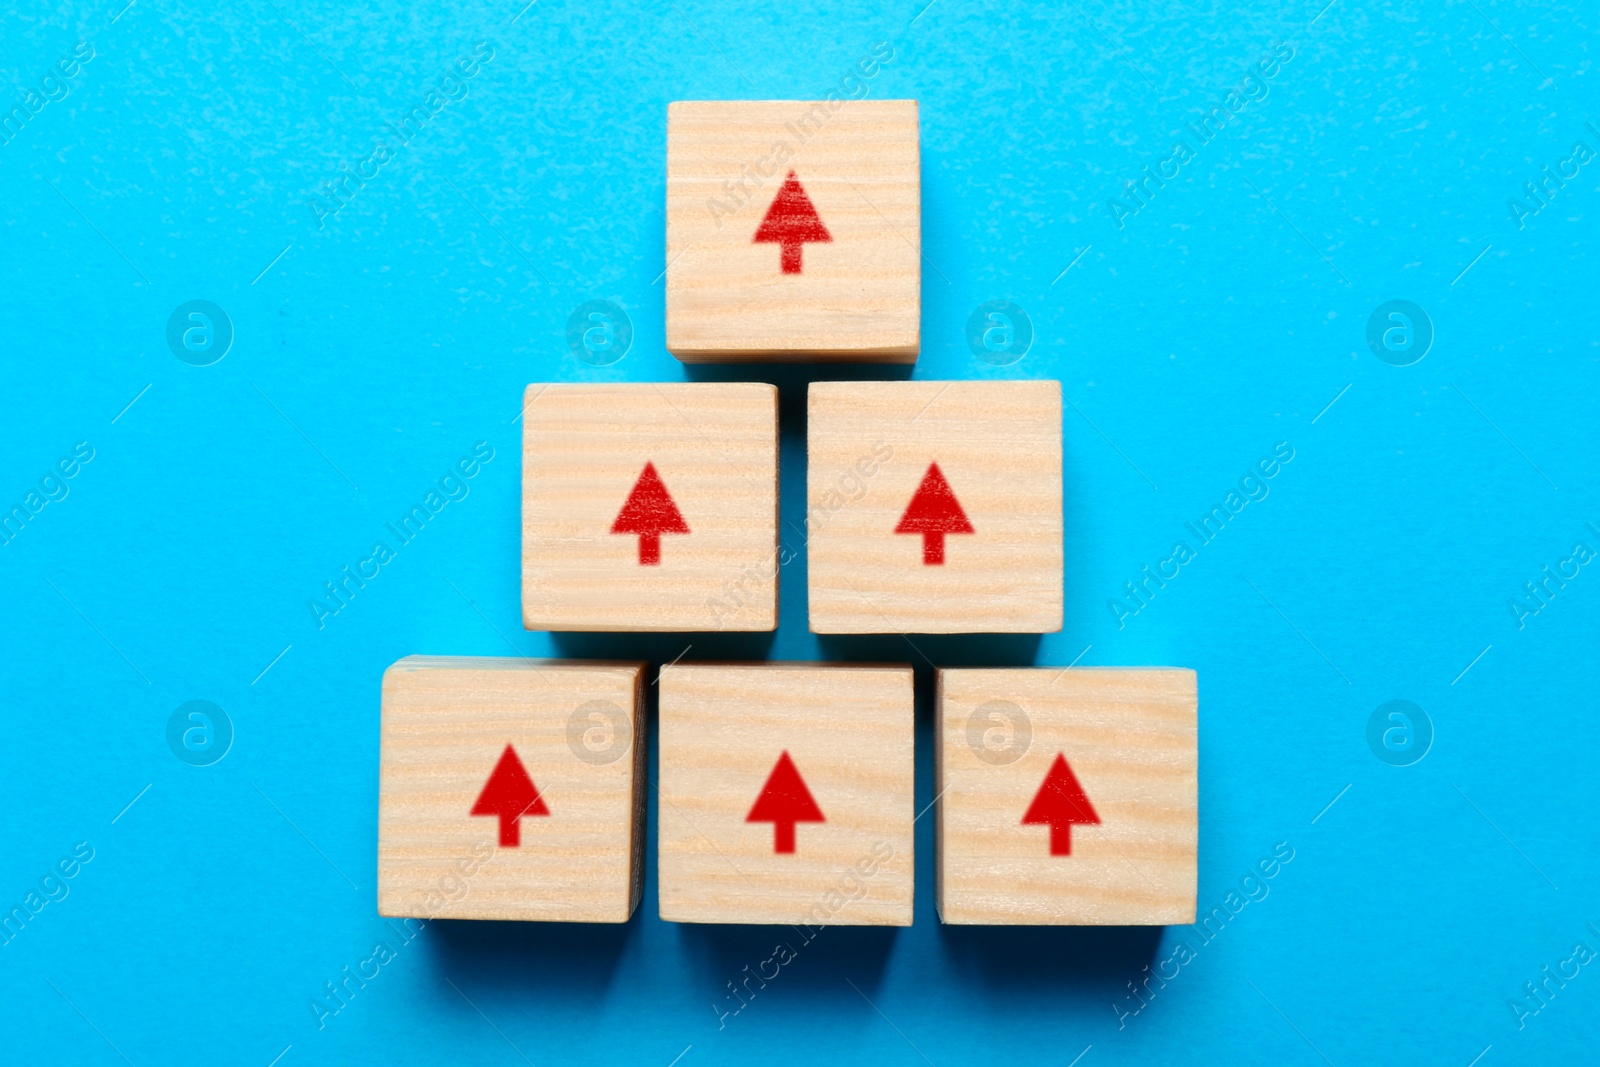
x: 510, y: 794
x: 933, y: 512
x: 791, y: 221
x: 649, y: 512
x: 784, y: 801
x: 1060, y: 802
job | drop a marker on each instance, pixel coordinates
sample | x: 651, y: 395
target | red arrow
x: 933, y: 512
x: 784, y: 801
x: 510, y: 794
x: 1060, y: 802
x: 649, y: 512
x: 791, y: 221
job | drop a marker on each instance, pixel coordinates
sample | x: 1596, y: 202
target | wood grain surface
x: 578, y: 730
x: 848, y: 731
x: 857, y: 296
x: 998, y: 446
x: 715, y: 448
x: 1129, y: 737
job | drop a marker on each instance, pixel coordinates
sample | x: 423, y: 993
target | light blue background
x: 371, y: 353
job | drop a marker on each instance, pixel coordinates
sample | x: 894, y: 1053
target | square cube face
x: 793, y: 230
x: 934, y: 507
x: 511, y: 789
x: 1067, y: 797
x: 650, y: 507
x: 786, y: 795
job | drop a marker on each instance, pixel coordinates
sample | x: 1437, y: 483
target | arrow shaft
x: 649, y: 549
x: 511, y: 829
x: 932, y: 547
x: 791, y: 256
x: 783, y: 837
x: 1061, y: 839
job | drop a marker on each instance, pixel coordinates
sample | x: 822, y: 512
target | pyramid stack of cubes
x: 514, y: 788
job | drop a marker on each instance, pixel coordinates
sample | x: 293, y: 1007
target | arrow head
x: 784, y: 801
x: 791, y: 221
x: 510, y: 794
x: 1059, y: 803
x: 933, y: 512
x: 649, y: 512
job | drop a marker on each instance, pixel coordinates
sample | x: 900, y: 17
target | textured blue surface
x: 1224, y: 316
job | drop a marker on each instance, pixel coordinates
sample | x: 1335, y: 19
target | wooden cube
x: 793, y: 230
x: 1067, y: 797
x: 511, y: 789
x: 650, y: 507
x: 934, y: 507
x: 786, y: 794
